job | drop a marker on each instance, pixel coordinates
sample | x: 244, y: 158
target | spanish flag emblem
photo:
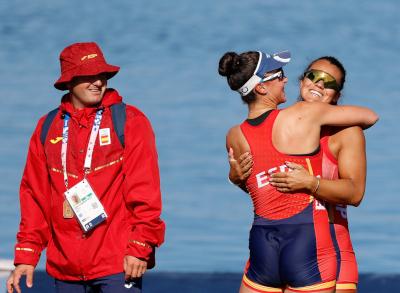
x: 104, y: 136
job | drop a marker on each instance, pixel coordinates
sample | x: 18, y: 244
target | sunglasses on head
x: 328, y: 80
x: 280, y: 75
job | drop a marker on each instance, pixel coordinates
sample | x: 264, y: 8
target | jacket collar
x: 110, y: 98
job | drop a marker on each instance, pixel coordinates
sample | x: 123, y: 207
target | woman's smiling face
x: 311, y: 92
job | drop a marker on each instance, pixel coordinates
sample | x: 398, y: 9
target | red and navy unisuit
x: 290, y: 242
x: 348, y: 272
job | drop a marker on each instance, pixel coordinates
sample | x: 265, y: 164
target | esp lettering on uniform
x: 342, y: 209
x: 262, y: 177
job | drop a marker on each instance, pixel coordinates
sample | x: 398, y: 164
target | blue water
x: 169, y: 51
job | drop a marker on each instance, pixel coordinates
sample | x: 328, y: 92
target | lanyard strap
x: 91, y: 144
x: 64, y: 148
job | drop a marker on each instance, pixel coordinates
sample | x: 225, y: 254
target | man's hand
x: 241, y: 168
x: 15, y: 276
x: 134, y: 267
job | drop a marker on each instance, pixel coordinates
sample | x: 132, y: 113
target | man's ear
x: 261, y: 89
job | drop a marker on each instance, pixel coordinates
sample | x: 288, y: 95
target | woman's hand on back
x: 241, y: 168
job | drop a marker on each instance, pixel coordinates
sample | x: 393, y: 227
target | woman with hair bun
x: 291, y: 249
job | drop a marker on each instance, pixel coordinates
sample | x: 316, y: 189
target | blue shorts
x: 108, y: 284
x: 289, y: 255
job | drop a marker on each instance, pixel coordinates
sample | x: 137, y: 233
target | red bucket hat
x: 82, y: 59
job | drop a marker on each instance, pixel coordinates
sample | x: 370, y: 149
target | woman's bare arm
x: 238, y: 150
x: 344, y: 115
x: 349, y: 189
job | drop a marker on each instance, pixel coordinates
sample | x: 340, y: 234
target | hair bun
x: 229, y: 64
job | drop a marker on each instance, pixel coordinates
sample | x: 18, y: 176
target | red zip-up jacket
x: 125, y: 179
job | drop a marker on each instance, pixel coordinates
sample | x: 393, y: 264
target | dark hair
x: 333, y: 61
x: 238, y: 69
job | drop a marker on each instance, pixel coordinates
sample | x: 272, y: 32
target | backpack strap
x: 118, y: 114
x: 46, y: 125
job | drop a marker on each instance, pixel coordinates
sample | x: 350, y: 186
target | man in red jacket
x: 92, y: 201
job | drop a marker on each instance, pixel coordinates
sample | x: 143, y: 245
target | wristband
x: 316, y: 187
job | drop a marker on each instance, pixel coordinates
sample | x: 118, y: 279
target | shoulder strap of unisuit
x: 46, y: 124
x: 118, y: 114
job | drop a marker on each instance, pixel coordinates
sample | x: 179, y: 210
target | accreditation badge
x: 85, y: 204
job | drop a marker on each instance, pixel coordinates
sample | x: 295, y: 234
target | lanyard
x: 91, y: 144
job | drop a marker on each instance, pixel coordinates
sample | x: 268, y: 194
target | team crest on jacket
x: 104, y: 136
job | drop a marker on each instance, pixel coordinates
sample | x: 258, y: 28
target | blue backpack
x: 118, y: 114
